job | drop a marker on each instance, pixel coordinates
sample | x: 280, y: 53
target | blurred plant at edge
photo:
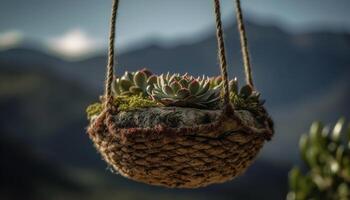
x: 326, y: 154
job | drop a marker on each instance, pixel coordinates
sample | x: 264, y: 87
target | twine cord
x: 244, y: 44
x: 110, y: 65
x: 222, y: 53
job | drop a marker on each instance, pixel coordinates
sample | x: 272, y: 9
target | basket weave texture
x: 193, y: 149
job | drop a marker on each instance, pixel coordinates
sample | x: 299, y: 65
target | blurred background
x: 52, y: 65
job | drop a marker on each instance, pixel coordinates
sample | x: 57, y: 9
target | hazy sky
x: 59, y: 22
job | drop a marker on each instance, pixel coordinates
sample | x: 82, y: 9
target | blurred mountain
x: 303, y: 63
x: 25, y: 175
x: 303, y: 77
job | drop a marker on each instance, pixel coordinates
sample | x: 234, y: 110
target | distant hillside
x: 25, y: 175
x: 302, y: 63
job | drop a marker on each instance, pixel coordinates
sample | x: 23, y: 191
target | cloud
x: 10, y: 39
x: 74, y: 44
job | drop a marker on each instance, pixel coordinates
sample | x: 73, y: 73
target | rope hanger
x: 244, y: 45
x: 221, y: 52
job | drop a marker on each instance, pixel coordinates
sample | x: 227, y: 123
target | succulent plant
x: 134, y: 83
x: 217, y: 82
x: 244, y: 98
x: 184, y: 91
x: 327, y: 157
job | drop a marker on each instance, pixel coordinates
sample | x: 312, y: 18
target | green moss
x: 93, y: 109
x: 125, y: 103
x: 132, y: 102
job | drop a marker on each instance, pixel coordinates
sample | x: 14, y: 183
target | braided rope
x: 110, y: 68
x: 222, y: 53
x: 244, y: 44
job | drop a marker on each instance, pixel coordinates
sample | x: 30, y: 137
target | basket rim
x: 217, y: 127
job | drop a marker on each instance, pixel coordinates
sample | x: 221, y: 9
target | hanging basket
x: 159, y: 146
x: 178, y: 146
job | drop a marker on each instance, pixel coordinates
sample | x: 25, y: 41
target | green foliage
x: 327, y: 157
x: 125, y: 103
x: 242, y: 99
x: 184, y: 91
x: 134, y: 83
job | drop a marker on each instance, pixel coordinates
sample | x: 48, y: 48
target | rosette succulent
x: 184, y: 91
x: 245, y: 98
x: 133, y: 83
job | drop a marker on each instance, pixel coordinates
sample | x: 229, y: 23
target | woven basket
x: 174, y: 154
x: 201, y: 147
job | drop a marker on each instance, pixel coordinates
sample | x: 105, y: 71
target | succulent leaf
x: 140, y: 79
x: 135, y: 90
x: 184, y: 90
x: 167, y: 90
x: 233, y: 84
x: 183, y: 93
x: 175, y: 86
x: 246, y: 91
x: 124, y: 85
x: 152, y: 80
x: 193, y: 87
x: 134, y: 83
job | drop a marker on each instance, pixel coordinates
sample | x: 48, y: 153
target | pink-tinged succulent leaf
x: 183, y: 93
x: 218, y: 80
x: 205, y: 87
x: 183, y: 83
x: 193, y: 87
x: 162, y: 80
x: 175, y: 86
x: 177, y: 77
x: 149, y: 89
x: 168, y: 101
x: 218, y: 87
x: 140, y: 79
x: 167, y: 90
x: 172, y: 78
x: 152, y: 80
x: 147, y: 72
x: 167, y: 77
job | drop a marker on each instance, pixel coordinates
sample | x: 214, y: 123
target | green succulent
x: 216, y: 81
x: 184, y: 91
x: 244, y: 98
x: 326, y: 154
x: 133, y: 83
